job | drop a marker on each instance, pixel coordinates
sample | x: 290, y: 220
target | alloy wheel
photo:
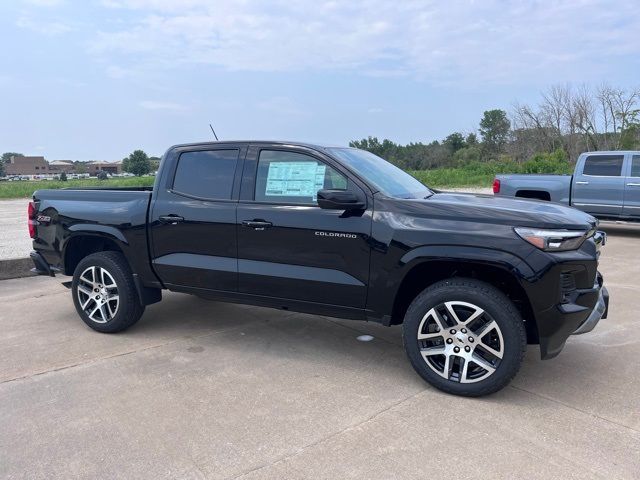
x: 98, y: 294
x: 460, y: 341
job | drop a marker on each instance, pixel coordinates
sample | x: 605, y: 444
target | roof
x: 313, y: 146
x: 613, y: 152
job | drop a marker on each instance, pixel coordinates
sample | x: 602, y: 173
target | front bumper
x: 578, y: 313
x: 599, y: 312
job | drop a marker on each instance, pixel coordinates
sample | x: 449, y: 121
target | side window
x: 293, y: 178
x: 206, y: 174
x: 603, y: 165
x: 635, y: 166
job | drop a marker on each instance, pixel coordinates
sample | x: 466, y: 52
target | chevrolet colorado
x: 604, y: 184
x: 338, y: 232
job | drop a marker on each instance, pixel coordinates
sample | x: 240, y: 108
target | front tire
x: 104, y: 293
x: 464, y: 337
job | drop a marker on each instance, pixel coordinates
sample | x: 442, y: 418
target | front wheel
x: 104, y: 293
x: 464, y: 337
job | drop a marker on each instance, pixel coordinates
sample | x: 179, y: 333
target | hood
x: 500, y: 210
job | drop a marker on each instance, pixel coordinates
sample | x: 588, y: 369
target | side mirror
x: 339, y: 200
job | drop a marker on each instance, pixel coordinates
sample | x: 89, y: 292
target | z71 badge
x: 43, y: 218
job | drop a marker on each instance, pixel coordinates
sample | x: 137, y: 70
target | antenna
x: 214, y: 132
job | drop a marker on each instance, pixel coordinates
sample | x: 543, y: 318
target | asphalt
x: 201, y: 389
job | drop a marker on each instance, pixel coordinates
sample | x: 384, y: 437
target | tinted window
x: 635, y: 166
x: 288, y: 177
x: 603, y: 165
x: 384, y: 176
x: 206, y: 174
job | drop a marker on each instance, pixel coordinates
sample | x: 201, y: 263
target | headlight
x: 553, y: 240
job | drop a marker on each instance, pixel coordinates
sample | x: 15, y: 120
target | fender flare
x: 490, y: 256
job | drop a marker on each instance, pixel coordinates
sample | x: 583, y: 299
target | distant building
x: 109, y: 167
x: 59, y: 166
x: 39, y: 166
x: 26, y: 166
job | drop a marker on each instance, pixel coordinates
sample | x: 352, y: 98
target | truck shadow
x: 318, y: 345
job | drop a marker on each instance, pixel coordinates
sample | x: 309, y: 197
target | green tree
x: 454, y: 142
x: 494, y: 129
x: 63, y: 177
x: 471, y: 140
x: 137, y: 163
x: 5, y: 158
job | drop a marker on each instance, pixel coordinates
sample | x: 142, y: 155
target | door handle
x: 256, y: 224
x: 171, y: 219
x: 633, y: 184
x: 582, y: 183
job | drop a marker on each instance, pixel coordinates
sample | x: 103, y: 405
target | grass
x: 453, y: 177
x: 24, y: 189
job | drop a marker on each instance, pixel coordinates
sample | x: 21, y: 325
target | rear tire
x: 464, y: 337
x: 104, y: 293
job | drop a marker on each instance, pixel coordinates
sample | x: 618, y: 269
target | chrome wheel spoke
x: 491, y: 350
x: 465, y: 370
x: 452, y: 312
x: 85, y: 290
x: 481, y: 362
x: 97, y: 294
x: 429, y: 336
x: 460, y: 341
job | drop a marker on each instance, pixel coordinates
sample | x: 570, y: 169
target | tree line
x: 564, y: 123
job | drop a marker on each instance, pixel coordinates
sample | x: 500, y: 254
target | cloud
x: 49, y: 28
x: 467, y: 41
x: 160, y: 105
x: 44, y: 3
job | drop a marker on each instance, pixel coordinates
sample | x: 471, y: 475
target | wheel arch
x: 425, y: 271
x: 83, y: 244
x: 534, y: 194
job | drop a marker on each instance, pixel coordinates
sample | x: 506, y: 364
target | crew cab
x: 604, y: 184
x: 337, y: 232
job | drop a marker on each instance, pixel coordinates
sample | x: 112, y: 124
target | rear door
x: 193, y: 220
x: 632, y: 187
x: 290, y: 248
x: 599, y: 184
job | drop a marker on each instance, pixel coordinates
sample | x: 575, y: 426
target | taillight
x: 496, y: 186
x: 31, y: 212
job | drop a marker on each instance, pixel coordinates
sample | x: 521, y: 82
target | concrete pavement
x: 201, y: 389
x: 14, y: 234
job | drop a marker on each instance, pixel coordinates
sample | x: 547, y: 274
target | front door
x: 632, y: 188
x: 290, y: 248
x: 193, y: 221
x: 598, y: 185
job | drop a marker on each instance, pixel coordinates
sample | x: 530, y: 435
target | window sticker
x: 295, y: 179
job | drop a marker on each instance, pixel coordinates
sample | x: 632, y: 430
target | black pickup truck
x: 338, y: 232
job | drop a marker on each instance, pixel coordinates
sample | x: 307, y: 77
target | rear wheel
x: 104, y: 293
x: 464, y: 337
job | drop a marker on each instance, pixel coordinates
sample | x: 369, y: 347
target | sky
x: 96, y: 79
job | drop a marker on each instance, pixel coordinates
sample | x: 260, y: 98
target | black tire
x: 496, y: 307
x: 126, y: 311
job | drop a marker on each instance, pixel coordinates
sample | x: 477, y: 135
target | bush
x: 102, y: 175
x: 63, y: 177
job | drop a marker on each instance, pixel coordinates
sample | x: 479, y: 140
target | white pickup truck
x: 604, y: 184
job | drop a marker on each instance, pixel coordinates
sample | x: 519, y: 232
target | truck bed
x: 117, y: 214
x: 555, y: 188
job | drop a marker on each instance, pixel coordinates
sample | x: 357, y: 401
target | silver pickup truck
x: 604, y: 184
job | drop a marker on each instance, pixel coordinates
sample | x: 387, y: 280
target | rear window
x: 635, y: 166
x: 603, y: 165
x: 206, y: 174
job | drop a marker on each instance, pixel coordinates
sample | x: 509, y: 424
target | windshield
x: 387, y: 178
